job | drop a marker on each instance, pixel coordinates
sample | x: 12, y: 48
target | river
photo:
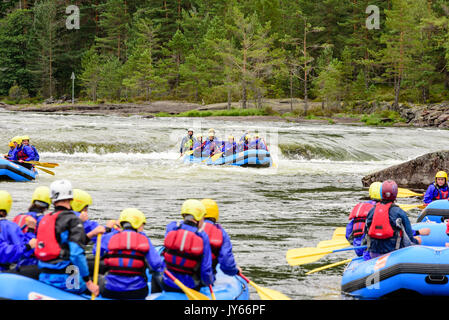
x: 134, y: 162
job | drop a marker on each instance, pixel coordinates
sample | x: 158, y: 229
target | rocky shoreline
x: 431, y: 115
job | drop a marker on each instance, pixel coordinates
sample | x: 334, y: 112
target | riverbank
x: 361, y: 113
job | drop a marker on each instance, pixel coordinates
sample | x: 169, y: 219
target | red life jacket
x: 441, y: 194
x: 21, y: 155
x: 183, y: 251
x: 359, y: 214
x: 216, y: 240
x: 380, y: 226
x: 21, y: 221
x: 126, y: 253
x: 47, y: 246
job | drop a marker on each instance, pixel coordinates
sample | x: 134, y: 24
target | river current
x: 316, y: 180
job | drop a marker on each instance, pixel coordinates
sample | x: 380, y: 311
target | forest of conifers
x: 211, y: 51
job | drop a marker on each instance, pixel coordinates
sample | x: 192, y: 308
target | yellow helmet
x: 11, y: 144
x: 80, y: 200
x: 41, y: 193
x: 17, y: 139
x: 193, y: 207
x: 25, y: 138
x: 231, y: 137
x: 374, y: 190
x: 441, y: 174
x: 211, y: 209
x: 5, y: 201
x: 134, y: 216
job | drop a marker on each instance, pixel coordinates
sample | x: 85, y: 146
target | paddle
x: 212, y: 294
x: 301, y: 256
x: 43, y: 164
x: 329, y: 266
x: 333, y: 244
x: 190, y: 293
x: 216, y: 156
x: 405, y: 193
x: 407, y: 207
x: 46, y: 170
x: 97, y: 262
x: 265, y: 293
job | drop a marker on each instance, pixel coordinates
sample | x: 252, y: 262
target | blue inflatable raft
x: 17, y: 287
x: 437, y: 211
x: 14, y: 172
x: 411, y: 271
x: 249, y: 158
x: 415, y: 270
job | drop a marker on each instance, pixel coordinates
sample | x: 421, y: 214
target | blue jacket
x: 229, y: 148
x: 31, y: 156
x: 11, y: 153
x: 71, y: 235
x: 206, y: 272
x: 128, y: 283
x: 433, y: 192
x: 13, y: 244
x: 257, y: 144
x: 356, y: 241
x: 382, y: 246
x: 211, y: 147
x: 88, y: 225
x: 226, y: 257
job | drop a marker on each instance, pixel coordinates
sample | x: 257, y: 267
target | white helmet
x: 61, y: 190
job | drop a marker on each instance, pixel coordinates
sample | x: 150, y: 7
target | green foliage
x: 229, y: 51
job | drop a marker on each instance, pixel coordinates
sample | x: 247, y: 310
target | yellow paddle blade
x: 190, y: 293
x: 268, y: 294
x: 407, y: 207
x: 333, y: 244
x: 404, y: 193
x: 188, y: 153
x: 45, y: 170
x: 43, y: 164
x: 339, y: 233
x: 216, y: 156
x: 299, y: 256
x: 329, y: 266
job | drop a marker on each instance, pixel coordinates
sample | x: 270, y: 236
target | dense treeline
x: 226, y: 50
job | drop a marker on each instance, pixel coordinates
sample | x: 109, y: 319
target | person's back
x: 387, y: 226
x: 219, y: 240
x: 187, y: 251
x: 126, y: 255
x: 14, y: 246
x: 355, y: 229
x: 60, y: 244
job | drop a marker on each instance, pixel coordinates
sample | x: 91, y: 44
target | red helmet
x: 389, y: 190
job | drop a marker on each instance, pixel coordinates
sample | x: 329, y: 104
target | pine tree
x: 47, y: 44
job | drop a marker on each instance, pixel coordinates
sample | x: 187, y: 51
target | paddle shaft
x: 97, y: 263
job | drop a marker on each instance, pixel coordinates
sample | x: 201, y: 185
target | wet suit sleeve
x: 207, y: 275
x: 154, y: 259
x: 76, y: 240
x: 430, y: 194
x: 226, y: 257
x: 407, y: 225
x: 29, y: 152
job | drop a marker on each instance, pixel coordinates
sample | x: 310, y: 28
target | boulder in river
x: 416, y: 174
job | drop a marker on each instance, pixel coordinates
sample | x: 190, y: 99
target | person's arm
x: 207, y: 274
x: 429, y: 195
x: 29, y: 152
x: 154, y: 259
x: 226, y: 257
